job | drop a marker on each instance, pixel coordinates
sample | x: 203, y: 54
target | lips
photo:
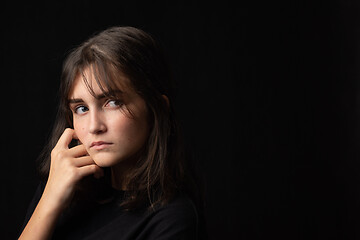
x: 100, y: 145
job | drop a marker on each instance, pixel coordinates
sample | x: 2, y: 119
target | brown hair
x: 133, y: 53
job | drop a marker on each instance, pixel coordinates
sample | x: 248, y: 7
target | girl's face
x: 110, y: 134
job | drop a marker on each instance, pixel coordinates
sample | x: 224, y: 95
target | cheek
x: 131, y: 132
x: 80, y: 130
x: 126, y: 128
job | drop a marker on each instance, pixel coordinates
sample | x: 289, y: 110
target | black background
x: 267, y: 96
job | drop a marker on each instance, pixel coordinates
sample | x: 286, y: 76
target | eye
x: 80, y: 109
x: 113, y: 103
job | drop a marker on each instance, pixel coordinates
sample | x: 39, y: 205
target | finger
x: 91, y: 169
x: 78, y: 151
x: 66, y: 138
x: 83, y: 161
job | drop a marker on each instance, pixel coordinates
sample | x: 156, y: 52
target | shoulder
x: 180, y: 209
x: 176, y: 220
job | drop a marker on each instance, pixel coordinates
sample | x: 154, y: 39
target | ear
x: 166, y: 100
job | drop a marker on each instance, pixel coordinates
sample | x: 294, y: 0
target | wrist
x: 50, y: 204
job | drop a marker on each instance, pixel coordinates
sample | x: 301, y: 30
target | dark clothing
x: 176, y: 220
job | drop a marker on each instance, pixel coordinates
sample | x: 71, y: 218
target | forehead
x: 95, y: 83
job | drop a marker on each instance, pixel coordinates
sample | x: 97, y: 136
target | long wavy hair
x: 161, y: 171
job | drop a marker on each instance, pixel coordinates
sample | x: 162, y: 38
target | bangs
x: 110, y: 81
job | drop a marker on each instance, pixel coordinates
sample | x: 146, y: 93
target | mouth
x: 100, y: 145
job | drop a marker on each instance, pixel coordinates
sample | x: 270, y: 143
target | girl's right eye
x: 80, y: 110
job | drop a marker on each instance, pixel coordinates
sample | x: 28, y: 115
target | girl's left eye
x: 113, y: 103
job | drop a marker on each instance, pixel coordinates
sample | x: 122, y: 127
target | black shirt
x: 176, y: 220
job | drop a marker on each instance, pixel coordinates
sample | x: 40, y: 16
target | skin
x: 119, y: 138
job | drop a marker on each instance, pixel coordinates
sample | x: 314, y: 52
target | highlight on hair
x: 113, y: 55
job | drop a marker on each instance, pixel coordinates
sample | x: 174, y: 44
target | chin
x: 104, y: 159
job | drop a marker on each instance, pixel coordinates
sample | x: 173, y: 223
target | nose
x: 97, y: 124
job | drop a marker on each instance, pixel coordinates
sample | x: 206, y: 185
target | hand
x: 68, y: 166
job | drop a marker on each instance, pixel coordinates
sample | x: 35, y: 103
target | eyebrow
x: 98, y: 96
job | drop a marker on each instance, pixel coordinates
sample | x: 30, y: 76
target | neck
x: 120, y: 176
x: 120, y: 173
